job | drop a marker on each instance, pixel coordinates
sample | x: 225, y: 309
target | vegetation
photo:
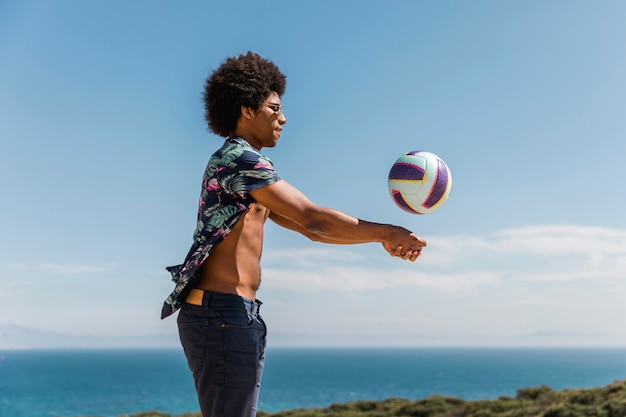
x: 609, y: 401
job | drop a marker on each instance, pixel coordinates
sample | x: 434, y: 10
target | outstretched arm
x: 288, y: 224
x: 290, y: 208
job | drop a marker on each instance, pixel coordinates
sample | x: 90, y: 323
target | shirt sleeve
x: 254, y: 171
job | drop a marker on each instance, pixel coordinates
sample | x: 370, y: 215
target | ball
x: 419, y: 182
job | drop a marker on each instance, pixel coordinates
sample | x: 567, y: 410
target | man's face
x: 267, y: 122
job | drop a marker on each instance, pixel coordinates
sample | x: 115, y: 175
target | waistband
x: 205, y: 298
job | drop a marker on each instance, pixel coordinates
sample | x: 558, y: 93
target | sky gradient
x: 103, y: 145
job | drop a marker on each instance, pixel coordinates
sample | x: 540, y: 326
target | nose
x: 281, y: 118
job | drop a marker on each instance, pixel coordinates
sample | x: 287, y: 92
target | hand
x: 410, y: 255
x: 402, y: 238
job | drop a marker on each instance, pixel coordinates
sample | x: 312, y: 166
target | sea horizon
x: 326, y: 347
x: 112, y: 382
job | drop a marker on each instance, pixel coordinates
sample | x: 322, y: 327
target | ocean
x: 66, y: 383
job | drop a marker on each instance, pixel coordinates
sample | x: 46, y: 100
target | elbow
x: 318, y: 224
x: 315, y: 230
x: 315, y: 227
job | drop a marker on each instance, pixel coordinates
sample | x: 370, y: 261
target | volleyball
x: 419, y: 182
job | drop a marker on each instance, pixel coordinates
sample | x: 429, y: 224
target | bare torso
x: 234, y: 266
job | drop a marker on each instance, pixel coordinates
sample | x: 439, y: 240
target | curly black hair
x: 246, y: 80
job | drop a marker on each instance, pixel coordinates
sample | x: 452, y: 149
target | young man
x: 220, y: 328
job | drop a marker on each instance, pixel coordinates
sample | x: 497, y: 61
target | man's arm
x: 291, y: 225
x: 292, y: 209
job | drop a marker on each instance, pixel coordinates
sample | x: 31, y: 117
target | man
x: 220, y: 328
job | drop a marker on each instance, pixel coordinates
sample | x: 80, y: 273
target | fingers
x: 398, y: 251
x: 413, y: 242
x: 412, y: 255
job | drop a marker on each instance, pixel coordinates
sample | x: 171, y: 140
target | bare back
x: 234, y: 266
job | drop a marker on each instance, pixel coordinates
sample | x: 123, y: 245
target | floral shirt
x: 232, y: 172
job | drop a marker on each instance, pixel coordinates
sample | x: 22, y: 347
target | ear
x: 247, y: 112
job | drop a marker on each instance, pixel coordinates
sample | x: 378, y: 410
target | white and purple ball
x: 419, y: 182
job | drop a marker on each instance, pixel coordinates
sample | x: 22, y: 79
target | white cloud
x: 550, y: 253
x: 538, y: 240
x: 63, y: 269
x: 536, y: 301
x: 354, y: 279
x: 308, y: 257
x: 563, y: 239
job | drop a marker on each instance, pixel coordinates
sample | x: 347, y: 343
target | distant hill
x: 20, y: 337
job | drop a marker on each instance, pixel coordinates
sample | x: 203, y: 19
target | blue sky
x: 103, y: 144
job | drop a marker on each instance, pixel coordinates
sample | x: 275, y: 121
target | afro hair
x: 246, y: 80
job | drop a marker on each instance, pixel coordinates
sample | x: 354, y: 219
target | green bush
x: 432, y: 406
x: 542, y: 401
x: 615, y: 407
x: 534, y: 393
x: 573, y: 410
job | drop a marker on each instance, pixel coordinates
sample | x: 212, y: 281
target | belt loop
x: 206, y: 299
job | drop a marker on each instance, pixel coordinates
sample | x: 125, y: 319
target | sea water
x: 115, y: 382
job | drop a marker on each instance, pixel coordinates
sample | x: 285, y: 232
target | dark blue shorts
x: 224, y: 342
